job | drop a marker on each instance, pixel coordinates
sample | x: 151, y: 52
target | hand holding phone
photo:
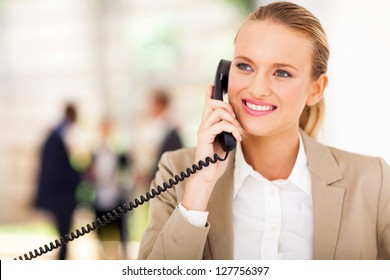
x: 219, y: 124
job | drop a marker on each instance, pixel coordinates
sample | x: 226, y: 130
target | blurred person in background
x: 57, y: 178
x: 106, y: 174
x: 157, y: 135
x: 169, y: 135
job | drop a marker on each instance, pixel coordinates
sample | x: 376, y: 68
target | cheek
x: 233, y: 89
x: 236, y: 85
x: 294, y: 98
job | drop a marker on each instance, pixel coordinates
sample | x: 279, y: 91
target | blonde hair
x: 301, y: 20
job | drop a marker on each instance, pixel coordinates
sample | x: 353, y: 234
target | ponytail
x: 312, y: 117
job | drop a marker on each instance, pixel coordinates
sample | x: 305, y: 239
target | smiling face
x: 270, y: 79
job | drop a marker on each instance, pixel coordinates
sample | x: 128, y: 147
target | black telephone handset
x: 226, y: 139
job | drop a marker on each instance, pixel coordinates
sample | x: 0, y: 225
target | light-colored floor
x: 15, y: 243
x: 84, y: 248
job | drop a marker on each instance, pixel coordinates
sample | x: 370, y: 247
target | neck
x: 272, y: 156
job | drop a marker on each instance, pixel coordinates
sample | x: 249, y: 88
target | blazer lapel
x: 220, y: 237
x: 327, y: 199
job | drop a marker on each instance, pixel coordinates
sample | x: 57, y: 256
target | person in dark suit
x: 171, y: 139
x: 57, y: 179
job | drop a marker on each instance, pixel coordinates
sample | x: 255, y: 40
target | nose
x: 259, y: 86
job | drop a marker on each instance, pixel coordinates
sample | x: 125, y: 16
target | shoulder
x: 53, y: 140
x: 172, y: 163
x: 179, y: 159
x: 370, y: 169
x: 331, y: 164
x: 347, y: 159
x: 323, y: 156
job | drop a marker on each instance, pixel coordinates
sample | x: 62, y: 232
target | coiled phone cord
x: 120, y: 211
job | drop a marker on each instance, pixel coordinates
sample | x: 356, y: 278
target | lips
x: 258, y: 108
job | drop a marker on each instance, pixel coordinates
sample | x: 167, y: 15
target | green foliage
x: 247, y: 6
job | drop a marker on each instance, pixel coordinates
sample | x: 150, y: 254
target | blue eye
x: 243, y: 66
x: 282, y: 74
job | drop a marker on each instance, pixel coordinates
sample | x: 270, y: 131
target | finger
x: 211, y: 104
x: 218, y: 115
x: 207, y: 136
x: 224, y: 126
x: 209, y: 92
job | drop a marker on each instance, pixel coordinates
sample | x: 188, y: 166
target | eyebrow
x: 276, y: 65
x: 285, y: 65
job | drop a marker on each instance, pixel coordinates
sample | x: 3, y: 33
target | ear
x: 317, y: 90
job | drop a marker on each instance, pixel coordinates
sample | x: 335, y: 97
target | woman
x: 280, y: 194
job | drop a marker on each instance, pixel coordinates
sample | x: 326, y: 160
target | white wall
x: 358, y: 95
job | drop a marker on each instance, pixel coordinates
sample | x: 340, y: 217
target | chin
x: 259, y: 131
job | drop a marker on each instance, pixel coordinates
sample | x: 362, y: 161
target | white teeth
x: 259, y: 107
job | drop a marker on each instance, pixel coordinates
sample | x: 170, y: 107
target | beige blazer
x: 351, y: 204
